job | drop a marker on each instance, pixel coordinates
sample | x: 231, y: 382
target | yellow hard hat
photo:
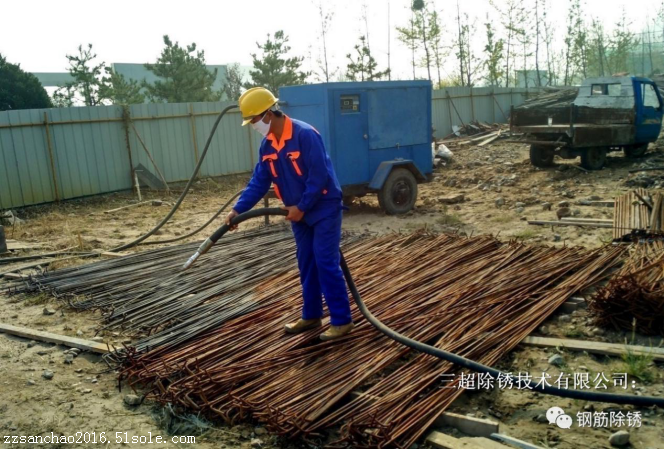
x: 254, y: 102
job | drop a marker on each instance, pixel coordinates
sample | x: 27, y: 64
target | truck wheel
x: 593, y: 158
x: 399, y: 192
x: 541, y: 155
x: 634, y: 151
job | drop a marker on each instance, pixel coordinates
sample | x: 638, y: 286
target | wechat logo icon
x: 557, y: 416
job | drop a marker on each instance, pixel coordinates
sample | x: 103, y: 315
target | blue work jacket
x: 301, y: 171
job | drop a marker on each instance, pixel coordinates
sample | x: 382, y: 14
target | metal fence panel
x: 456, y: 106
x: 91, y: 153
x: 26, y: 157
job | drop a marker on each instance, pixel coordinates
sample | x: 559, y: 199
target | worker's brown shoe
x: 302, y: 325
x: 335, y: 332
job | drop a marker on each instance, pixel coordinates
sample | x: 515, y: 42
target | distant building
x: 130, y: 71
x: 528, y: 78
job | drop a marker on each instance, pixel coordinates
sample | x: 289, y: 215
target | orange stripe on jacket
x: 271, y: 158
x: 293, y: 156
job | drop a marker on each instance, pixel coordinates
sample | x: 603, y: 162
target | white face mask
x: 262, y: 127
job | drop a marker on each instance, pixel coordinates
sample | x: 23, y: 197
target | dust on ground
x: 500, y: 190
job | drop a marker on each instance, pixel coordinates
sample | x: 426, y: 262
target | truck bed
x: 583, y: 126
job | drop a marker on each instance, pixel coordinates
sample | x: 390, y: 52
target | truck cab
x: 608, y: 114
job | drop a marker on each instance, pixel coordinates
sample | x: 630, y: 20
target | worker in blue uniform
x: 292, y: 157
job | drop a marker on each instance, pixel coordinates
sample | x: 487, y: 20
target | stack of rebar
x: 633, y: 299
x: 145, y: 295
x: 473, y: 296
x: 638, y: 211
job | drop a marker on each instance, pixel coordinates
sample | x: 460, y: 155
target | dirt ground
x: 83, y: 396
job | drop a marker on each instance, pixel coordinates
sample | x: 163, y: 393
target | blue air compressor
x: 378, y: 134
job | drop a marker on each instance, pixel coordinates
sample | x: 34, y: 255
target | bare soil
x: 492, y: 181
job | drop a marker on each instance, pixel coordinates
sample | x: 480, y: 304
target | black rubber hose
x: 186, y: 189
x: 644, y: 401
x: 199, y: 229
x: 175, y: 207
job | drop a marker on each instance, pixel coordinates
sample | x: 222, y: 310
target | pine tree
x: 118, y: 90
x: 361, y: 65
x: 183, y: 75
x: 232, y: 87
x: 273, y: 69
x: 87, y: 80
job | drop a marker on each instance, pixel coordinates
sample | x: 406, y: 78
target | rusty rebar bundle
x: 473, y: 296
x: 146, y: 296
x: 633, y: 299
x: 639, y: 213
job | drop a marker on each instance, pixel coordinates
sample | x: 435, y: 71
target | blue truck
x: 378, y: 135
x: 608, y: 114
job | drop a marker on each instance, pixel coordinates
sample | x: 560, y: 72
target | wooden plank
x: 569, y: 223
x: 588, y: 220
x: 514, y: 441
x: 13, y: 245
x: 613, y: 349
x: 14, y: 276
x: 489, y: 140
x: 127, y: 207
x: 114, y: 255
x: 443, y: 441
x: 606, y: 203
x: 469, y: 425
x: 26, y: 266
x: 72, y: 342
x: 483, y: 135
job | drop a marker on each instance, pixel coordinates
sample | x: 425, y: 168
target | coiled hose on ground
x: 643, y: 401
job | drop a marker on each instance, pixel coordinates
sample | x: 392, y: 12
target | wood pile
x: 551, y: 97
x: 640, y: 212
x: 634, y: 298
x: 475, y: 133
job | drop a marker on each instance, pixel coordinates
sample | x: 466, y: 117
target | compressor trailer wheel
x: 399, y: 192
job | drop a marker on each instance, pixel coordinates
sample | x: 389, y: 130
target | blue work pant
x: 320, y: 273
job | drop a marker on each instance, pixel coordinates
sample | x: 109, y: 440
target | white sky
x: 37, y: 34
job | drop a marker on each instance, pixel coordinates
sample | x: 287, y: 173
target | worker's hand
x: 230, y: 216
x: 294, y: 214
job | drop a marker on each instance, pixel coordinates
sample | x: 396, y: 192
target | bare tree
x: 418, y: 34
x: 508, y: 15
x: 597, y: 59
x: 548, y: 38
x: 524, y: 38
x: 325, y: 22
x: 435, y: 36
